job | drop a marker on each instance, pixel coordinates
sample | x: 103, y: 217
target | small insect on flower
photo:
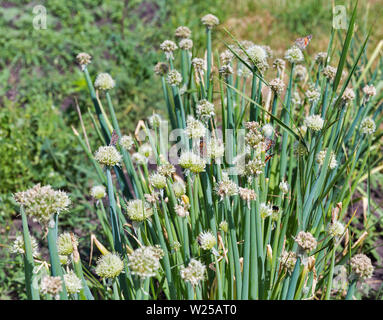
x: 302, y: 43
x: 206, y: 240
x: 109, y: 266
x: 19, y: 247
x: 194, y: 272
x: 104, y: 82
x: 161, y: 69
x: 108, y: 156
x: 145, y: 261
x: 367, y: 126
x: 98, y: 192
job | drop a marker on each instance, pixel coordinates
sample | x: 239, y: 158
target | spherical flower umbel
x: 98, y: 192
x: 161, y: 68
x: 226, y: 188
x: 138, y: 158
x: 312, y: 94
x: 294, y: 55
x: 205, y: 109
x: 277, y: 85
x: 83, y: 59
x: 186, y: 44
x: 199, y: 65
x: 284, y: 187
x: 348, y: 95
x: 179, y: 188
x: 207, y: 240
x: 265, y: 210
x: 367, y: 126
x: 157, y: 181
x: 361, y: 266
x: 104, y: 82
x: 64, y: 244
x: 194, y: 128
x: 126, y: 142
x: 321, y: 57
x: 288, y: 260
x: 145, y: 261
x: 257, y: 54
x: 138, y: 210
x: 300, y: 72
x: 225, y: 70
x: 190, y: 161
x: 210, y: 20
x: 314, y: 122
x: 226, y: 56
x: 174, y: 78
x: 247, y: 194
x: 194, y: 272
x: 73, y: 283
x: 279, y: 64
x: 215, y: 148
x: 166, y: 169
x: 336, y: 229
x: 108, y: 156
x: 146, y: 150
x: 329, y: 72
x: 321, y: 157
x: 306, y: 241
x: 41, y: 203
x: 369, y: 91
x: 19, y: 247
x: 268, y: 130
x: 155, y: 120
x: 51, y: 285
x: 181, y: 210
x: 109, y: 266
x: 168, y: 47
x: 182, y: 32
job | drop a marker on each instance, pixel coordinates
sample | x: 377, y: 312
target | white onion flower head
x: 367, y: 126
x: 215, y: 148
x: 321, y: 57
x: 155, y: 120
x: 194, y: 128
x: 205, y: 109
x: 294, y: 55
x: 199, y: 65
x: 139, y: 158
x: 348, y: 95
x: 369, y: 91
x: 73, y: 283
x: 207, y: 240
x: 182, y: 32
x: 279, y: 64
x: 288, y: 260
x: 361, y: 266
x: 145, y: 261
x: 168, y: 47
x: 277, y: 85
x: 226, y: 188
x: 83, y: 59
x: 64, y: 244
x: 192, y: 162
x: 306, y: 241
x: 296, y: 98
x: 166, y: 169
x: 268, y: 130
x: 312, y: 94
x: 108, y: 156
x: 19, y: 247
x: 104, y: 82
x: 194, y: 272
x: 174, y: 78
x: 257, y: 54
x: 126, y: 142
x: 265, y: 210
x: 98, y: 192
x: 64, y: 260
x: 329, y: 72
x: 314, y: 122
x: 226, y: 70
x: 146, y: 150
x: 161, y: 68
x: 109, y: 266
x: 186, y: 44
x: 51, y: 285
x: 224, y: 226
x: 210, y: 20
x: 300, y: 72
x: 336, y: 229
x: 157, y: 181
x: 41, y: 203
x: 181, y: 210
x: 247, y: 195
x: 226, y: 56
x: 138, y: 210
x: 321, y: 157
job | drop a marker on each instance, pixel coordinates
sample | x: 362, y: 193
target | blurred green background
x: 39, y: 81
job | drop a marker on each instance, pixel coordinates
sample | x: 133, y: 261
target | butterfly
x: 268, y: 157
x: 302, y: 43
x: 114, y: 138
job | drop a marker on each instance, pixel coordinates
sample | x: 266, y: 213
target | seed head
x: 138, y: 210
x: 306, y: 241
x: 182, y: 32
x: 288, y: 260
x: 83, y: 59
x: 361, y: 265
x: 210, y: 21
x: 186, y: 44
x: 108, y: 156
x: 109, y: 266
x: 194, y: 272
x: 98, y: 192
x: 104, y: 82
x: 145, y: 261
